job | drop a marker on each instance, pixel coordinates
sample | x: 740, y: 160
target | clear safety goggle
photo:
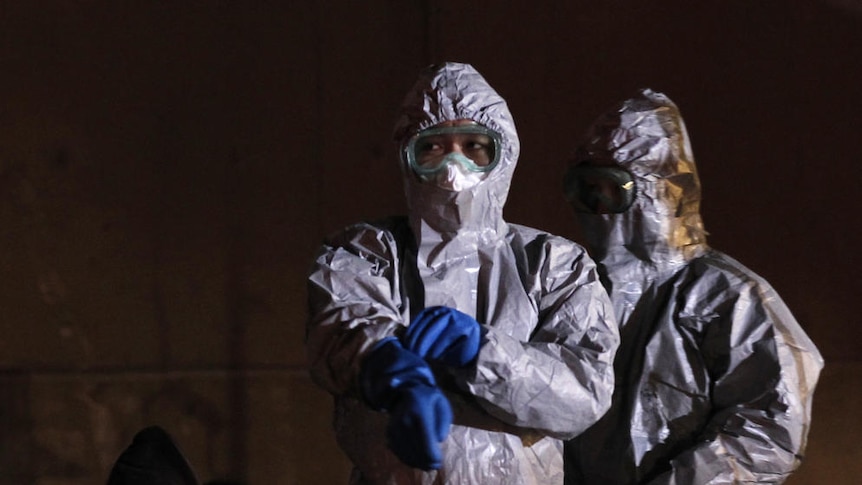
x: 426, y: 151
x: 599, y: 189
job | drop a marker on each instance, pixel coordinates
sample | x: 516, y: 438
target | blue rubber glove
x: 444, y: 335
x: 400, y: 382
x: 419, y: 421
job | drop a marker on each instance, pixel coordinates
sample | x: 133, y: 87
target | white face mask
x: 454, y: 174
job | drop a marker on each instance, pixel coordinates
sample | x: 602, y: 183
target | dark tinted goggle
x: 599, y: 189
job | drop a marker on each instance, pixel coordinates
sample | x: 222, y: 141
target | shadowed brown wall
x: 168, y: 169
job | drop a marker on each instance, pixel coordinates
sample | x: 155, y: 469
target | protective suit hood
x: 448, y: 92
x: 662, y: 230
x: 455, y: 231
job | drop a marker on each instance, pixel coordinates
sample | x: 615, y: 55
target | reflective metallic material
x: 714, y: 375
x: 544, y: 371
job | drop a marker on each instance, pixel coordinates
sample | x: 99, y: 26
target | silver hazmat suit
x: 544, y: 371
x: 714, y: 375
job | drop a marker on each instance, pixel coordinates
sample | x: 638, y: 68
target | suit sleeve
x: 560, y: 379
x: 764, y: 370
x: 353, y: 303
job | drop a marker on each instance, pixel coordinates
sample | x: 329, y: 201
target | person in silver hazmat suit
x: 460, y: 349
x: 714, y: 375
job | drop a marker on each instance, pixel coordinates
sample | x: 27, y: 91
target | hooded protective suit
x: 714, y: 375
x: 544, y: 370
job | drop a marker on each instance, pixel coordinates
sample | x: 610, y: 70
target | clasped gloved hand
x: 444, y: 335
x: 400, y: 382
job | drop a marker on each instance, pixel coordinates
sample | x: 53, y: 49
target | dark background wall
x: 167, y: 170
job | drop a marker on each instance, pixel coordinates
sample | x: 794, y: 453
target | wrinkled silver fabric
x: 544, y: 372
x: 715, y: 377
